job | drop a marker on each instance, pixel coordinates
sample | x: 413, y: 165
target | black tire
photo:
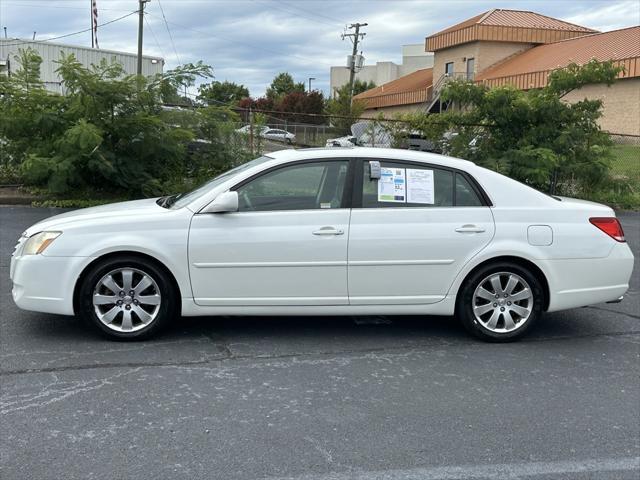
x: 168, y: 303
x: 464, y: 305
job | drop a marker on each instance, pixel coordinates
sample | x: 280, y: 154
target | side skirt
x: 445, y: 307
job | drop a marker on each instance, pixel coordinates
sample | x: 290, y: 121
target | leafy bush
x: 109, y: 131
x: 533, y: 136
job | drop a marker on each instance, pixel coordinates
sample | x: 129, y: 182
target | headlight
x: 39, y: 242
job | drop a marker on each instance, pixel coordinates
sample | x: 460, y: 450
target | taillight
x: 609, y: 225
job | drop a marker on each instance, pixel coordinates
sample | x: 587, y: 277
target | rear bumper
x: 580, y: 282
x: 45, y: 284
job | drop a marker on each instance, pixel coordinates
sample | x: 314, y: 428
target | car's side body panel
x: 412, y: 255
x: 269, y: 258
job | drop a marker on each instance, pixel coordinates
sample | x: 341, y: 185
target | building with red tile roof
x: 519, y: 48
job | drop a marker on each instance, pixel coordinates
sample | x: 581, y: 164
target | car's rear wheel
x: 500, y: 302
x: 126, y: 298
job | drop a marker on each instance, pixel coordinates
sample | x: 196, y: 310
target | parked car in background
x: 278, y: 135
x: 246, y: 130
x: 416, y: 141
x: 346, y: 141
x: 328, y: 232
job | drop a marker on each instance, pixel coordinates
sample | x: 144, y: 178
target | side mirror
x: 223, y: 203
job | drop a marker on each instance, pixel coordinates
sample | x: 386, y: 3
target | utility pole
x: 93, y: 32
x: 355, y: 38
x: 141, y: 4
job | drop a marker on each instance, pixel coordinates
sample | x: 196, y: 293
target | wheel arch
x: 520, y: 261
x: 128, y: 253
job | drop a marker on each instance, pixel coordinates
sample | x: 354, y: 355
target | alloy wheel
x: 126, y: 299
x: 502, y: 302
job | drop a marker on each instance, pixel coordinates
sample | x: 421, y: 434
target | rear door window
x: 407, y: 185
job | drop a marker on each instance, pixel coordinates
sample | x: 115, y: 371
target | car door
x: 286, y: 244
x: 411, y: 235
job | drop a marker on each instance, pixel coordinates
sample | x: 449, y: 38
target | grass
x: 626, y: 161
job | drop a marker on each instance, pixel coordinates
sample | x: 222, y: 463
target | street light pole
x: 310, y: 78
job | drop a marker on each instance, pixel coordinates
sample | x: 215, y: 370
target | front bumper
x: 45, y: 284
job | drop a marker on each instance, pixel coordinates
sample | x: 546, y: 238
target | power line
x: 23, y: 42
x: 153, y: 34
x: 169, y: 31
x: 227, y: 39
x: 48, y: 5
x: 272, y: 5
x: 313, y: 13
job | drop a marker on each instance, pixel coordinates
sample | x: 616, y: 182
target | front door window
x: 306, y: 186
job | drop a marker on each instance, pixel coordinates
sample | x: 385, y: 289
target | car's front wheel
x: 126, y: 298
x: 500, y: 302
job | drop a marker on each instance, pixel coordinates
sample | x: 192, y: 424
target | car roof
x: 370, y: 152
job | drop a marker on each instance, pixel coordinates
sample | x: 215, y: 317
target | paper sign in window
x: 420, y: 186
x: 392, y: 185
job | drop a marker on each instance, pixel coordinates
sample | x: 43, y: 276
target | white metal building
x: 50, y: 52
x: 414, y: 58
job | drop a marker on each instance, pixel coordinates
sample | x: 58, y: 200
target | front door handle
x: 328, y: 231
x: 469, y: 229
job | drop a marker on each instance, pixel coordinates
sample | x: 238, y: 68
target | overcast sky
x: 250, y: 41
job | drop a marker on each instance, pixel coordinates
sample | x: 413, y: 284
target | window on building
x: 471, y: 65
x: 448, y: 68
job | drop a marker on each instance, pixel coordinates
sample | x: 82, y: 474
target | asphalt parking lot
x: 319, y: 398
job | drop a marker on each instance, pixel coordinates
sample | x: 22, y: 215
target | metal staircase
x: 434, y: 105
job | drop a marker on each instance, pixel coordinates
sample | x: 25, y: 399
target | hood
x: 121, y: 209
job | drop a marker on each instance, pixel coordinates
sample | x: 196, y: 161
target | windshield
x: 182, y: 199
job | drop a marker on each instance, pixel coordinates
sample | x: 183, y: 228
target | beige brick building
x: 519, y: 48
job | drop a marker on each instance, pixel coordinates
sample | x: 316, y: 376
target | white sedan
x: 278, y: 135
x: 329, y: 232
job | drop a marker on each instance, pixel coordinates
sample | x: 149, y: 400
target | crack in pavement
x: 631, y: 315
x: 229, y: 355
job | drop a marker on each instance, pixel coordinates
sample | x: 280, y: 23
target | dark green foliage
x: 109, y: 132
x: 222, y: 93
x: 360, y: 86
x: 281, y: 85
x: 345, y: 112
x: 533, y: 136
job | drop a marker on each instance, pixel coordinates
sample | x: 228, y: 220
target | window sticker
x: 392, y: 185
x: 420, y: 186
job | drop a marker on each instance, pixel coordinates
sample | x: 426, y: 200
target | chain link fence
x: 622, y: 187
x: 625, y: 163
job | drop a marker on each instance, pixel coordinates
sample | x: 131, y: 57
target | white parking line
x: 507, y: 471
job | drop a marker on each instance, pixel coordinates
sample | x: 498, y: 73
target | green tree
x: 344, y: 112
x: 360, y: 86
x: 222, y: 93
x: 533, y: 136
x: 28, y: 75
x: 282, y: 85
x: 108, y: 132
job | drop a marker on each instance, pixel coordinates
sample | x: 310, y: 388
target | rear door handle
x: 469, y: 229
x: 328, y: 231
